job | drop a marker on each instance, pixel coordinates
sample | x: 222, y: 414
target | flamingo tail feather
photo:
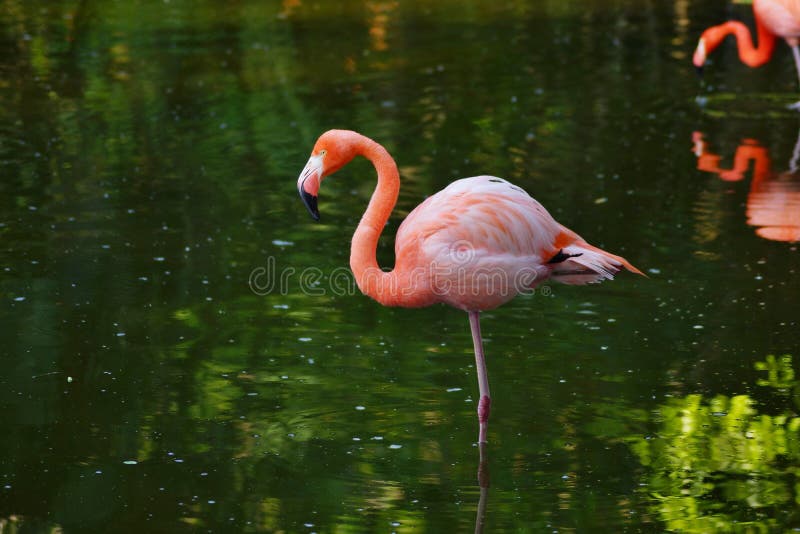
x: 588, y: 264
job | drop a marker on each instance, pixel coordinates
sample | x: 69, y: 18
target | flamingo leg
x: 796, y: 54
x: 485, y: 402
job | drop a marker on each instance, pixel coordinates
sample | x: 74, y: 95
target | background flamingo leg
x: 796, y: 54
x: 484, y: 405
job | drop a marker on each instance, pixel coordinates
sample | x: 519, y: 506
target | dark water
x: 148, y: 155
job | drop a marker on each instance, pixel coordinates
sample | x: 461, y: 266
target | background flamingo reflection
x: 773, y: 203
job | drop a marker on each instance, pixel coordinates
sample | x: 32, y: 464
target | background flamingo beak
x: 699, y: 57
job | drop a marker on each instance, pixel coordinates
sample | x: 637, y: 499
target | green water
x: 148, y: 161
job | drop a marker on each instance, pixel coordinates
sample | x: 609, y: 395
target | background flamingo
x: 774, y: 18
x: 474, y: 245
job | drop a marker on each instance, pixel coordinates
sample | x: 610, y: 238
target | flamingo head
x: 332, y: 151
x: 710, y: 39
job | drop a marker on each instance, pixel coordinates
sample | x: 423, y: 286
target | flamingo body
x: 780, y: 17
x: 474, y: 245
x: 481, y: 241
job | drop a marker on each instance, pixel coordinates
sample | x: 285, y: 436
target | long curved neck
x: 371, y: 280
x: 750, y: 55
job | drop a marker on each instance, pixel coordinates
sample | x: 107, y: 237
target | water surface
x: 149, y: 152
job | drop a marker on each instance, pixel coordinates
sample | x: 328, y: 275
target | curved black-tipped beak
x: 311, y: 203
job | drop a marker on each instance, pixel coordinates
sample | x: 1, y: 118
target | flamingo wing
x: 485, y: 226
x: 486, y: 213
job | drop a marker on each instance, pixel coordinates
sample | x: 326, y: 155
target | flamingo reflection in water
x: 773, y: 203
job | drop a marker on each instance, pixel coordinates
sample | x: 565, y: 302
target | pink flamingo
x: 774, y: 18
x: 474, y: 245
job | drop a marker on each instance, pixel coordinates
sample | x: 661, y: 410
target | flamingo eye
x: 322, y: 152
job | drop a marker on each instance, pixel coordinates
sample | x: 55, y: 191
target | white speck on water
x: 19, y: 299
x: 360, y: 408
x: 252, y: 394
x: 130, y: 462
x: 603, y: 347
x: 98, y: 472
x: 395, y: 446
x: 159, y: 258
x: 601, y: 200
x: 281, y: 306
x: 282, y: 243
x: 69, y: 379
x: 377, y: 438
x: 654, y: 270
x: 452, y: 390
x: 698, y: 327
x: 304, y: 339
x: 120, y: 334
x: 178, y: 461
x: 212, y: 501
x: 356, y: 439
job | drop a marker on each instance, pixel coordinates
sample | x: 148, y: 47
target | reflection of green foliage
x: 719, y: 465
x: 780, y: 373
